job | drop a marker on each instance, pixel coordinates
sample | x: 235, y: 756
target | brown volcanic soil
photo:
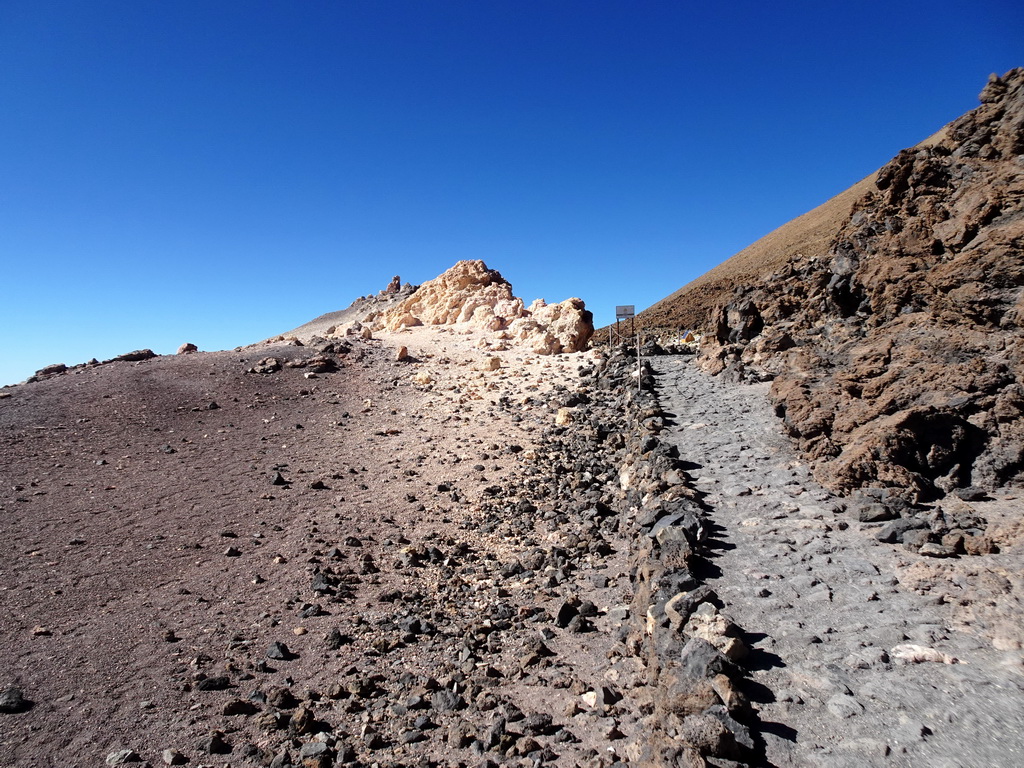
x: 417, y: 560
x: 147, y: 555
x: 805, y: 237
x: 690, y: 307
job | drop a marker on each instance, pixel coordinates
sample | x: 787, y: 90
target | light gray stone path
x: 823, y: 609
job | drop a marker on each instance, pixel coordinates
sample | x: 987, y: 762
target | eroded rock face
x: 471, y: 293
x: 898, y: 358
x: 455, y: 297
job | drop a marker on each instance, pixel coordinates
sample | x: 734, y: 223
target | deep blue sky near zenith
x: 218, y: 172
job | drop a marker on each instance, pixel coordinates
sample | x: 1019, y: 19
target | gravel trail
x: 834, y: 623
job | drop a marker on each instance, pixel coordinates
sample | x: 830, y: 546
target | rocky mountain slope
x: 896, y: 352
x: 415, y: 533
x: 692, y: 306
x: 433, y: 546
x: 807, y: 236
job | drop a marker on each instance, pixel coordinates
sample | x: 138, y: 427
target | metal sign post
x: 628, y: 312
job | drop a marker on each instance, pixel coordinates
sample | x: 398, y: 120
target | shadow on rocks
x: 704, y: 568
x: 760, y: 659
x: 781, y: 730
x: 717, y: 538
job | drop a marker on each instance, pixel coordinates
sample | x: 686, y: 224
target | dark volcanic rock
x: 134, y: 357
x: 12, y: 700
x: 279, y: 651
x: 216, y: 744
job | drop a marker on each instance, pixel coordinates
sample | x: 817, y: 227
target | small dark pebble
x: 279, y: 651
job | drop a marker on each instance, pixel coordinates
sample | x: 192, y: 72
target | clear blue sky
x: 218, y: 172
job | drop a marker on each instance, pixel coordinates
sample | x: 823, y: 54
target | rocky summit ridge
x: 471, y: 295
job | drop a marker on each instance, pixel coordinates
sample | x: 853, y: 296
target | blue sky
x: 218, y: 172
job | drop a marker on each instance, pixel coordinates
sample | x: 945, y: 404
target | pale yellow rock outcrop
x: 454, y: 297
x: 548, y: 329
x: 470, y: 293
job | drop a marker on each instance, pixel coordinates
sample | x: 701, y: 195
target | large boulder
x: 548, y: 329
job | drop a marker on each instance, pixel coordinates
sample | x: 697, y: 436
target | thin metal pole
x: 639, y: 367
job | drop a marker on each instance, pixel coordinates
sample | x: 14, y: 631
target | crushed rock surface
x: 863, y: 654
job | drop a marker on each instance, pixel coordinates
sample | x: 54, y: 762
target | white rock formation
x: 471, y: 293
x: 548, y: 329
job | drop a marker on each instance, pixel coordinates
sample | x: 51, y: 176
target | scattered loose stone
x: 123, y: 757
x: 173, y: 757
x: 843, y: 706
x: 218, y: 683
x: 915, y: 654
x: 216, y: 744
x: 279, y: 652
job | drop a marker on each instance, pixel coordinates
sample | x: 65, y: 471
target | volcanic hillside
x: 435, y: 529
x: 896, y: 348
x: 807, y: 236
x: 416, y: 546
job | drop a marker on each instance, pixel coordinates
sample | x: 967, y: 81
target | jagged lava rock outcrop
x: 471, y: 293
x: 898, y: 358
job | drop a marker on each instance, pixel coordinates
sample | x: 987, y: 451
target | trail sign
x: 625, y: 311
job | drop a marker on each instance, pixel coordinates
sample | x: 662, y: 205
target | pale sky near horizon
x: 219, y: 172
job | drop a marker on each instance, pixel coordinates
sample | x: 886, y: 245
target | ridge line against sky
x: 221, y: 172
